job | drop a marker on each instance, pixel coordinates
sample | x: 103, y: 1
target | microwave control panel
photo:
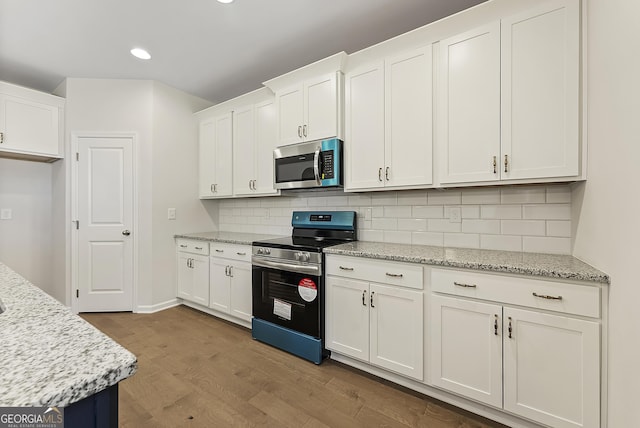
x: 327, y: 172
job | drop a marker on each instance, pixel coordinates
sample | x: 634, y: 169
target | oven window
x: 295, y: 168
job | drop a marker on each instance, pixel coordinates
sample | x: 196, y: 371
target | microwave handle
x: 316, y: 165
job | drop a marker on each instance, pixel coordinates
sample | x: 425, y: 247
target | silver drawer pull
x: 198, y: 248
x: 241, y: 254
x: 394, y: 275
x: 545, y: 296
x: 183, y: 246
x: 345, y: 268
x: 462, y: 284
x: 219, y: 251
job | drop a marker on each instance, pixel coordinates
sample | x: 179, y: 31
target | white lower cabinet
x: 381, y: 324
x: 193, y: 271
x: 538, y: 365
x: 230, y: 280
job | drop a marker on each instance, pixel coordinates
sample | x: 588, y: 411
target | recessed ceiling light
x: 140, y: 53
x: 225, y: 1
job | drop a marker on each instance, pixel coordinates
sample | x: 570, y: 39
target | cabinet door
x: 552, y: 369
x: 469, y: 106
x: 408, y: 119
x: 265, y: 142
x: 347, y: 317
x: 206, y: 173
x: 243, y: 150
x: 219, y: 285
x: 200, y: 272
x: 396, y: 336
x: 540, y: 91
x: 466, y: 348
x: 321, y: 108
x: 240, y: 291
x: 29, y: 126
x: 223, y: 155
x: 364, y: 125
x: 290, y: 115
x: 185, y: 276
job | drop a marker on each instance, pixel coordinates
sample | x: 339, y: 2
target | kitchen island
x: 51, y: 357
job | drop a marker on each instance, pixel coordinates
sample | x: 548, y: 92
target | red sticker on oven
x: 307, y: 289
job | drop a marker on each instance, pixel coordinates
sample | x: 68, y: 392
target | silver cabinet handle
x: 126, y: 232
x: 1, y: 137
x: 462, y: 284
x: 241, y: 254
x: 394, y: 275
x: 371, y: 300
x: 183, y: 246
x: 190, y: 263
x: 198, y: 248
x: 364, y: 292
x: 213, y: 188
x: 386, y: 173
x: 495, y: 324
x: 219, y: 251
x: 546, y: 296
x: 506, y: 163
x: 231, y: 271
x: 346, y: 268
x: 226, y: 271
x: 304, y: 130
x: 510, y: 329
x: 300, y: 131
x: 495, y: 165
x: 379, y: 174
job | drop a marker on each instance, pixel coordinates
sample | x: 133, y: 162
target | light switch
x: 171, y: 213
x: 5, y: 214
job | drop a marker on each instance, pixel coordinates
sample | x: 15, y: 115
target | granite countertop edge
x: 240, y: 238
x: 531, y: 264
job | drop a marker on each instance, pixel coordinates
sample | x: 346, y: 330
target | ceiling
x: 212, y: 50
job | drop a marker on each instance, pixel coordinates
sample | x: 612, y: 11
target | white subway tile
x: 428, y: 212
x: 253, y: 203
x: 413, y: 224
x: 384, y: 223
x: 298, y: 202
x: 560, y: 194
x: 462, y: 240
x: 442, y: 225
x: 412, y: 197
x: 523, y: 227
x: 275, y: 212
x: 547, y: 212
x: 427, y: 238
x: 470, y: 211
x: 552, y: 245
x: 371, y: 235
x: 240, y: 202
x: 267, y: 202
x: 397, y: 237
x: 398, y: 211
x: 559, y: 228
x: 359, y: 200
x: 260, y: 212
x: 480, y: 196
x: 443, y: 197
x: 384, y: 198
x: 481, y: 226
x: 522, y: 195
x: 338, y: 201
x: 317, y: 202
x: 225, y: 212
x: 501, y: 211
x: 501, y: 242
x: 377, y: 212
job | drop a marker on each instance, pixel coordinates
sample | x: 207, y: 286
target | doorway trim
x: 75, y: 141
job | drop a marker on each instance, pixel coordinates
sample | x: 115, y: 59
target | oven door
x: 287, y: 298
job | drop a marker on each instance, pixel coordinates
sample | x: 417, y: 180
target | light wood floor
x: 198, y: 371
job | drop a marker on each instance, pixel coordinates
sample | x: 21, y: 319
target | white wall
x: 25, y: 240
x: 606, y: 207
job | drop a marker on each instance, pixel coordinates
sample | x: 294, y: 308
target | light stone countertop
x: 535, y: 264
x: 228, y: 237
x: 48, y: 355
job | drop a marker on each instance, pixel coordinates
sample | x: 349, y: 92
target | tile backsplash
x: 515, y: 218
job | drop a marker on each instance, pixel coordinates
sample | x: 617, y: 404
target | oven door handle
x: 305, y: 269
x: 316, y: 165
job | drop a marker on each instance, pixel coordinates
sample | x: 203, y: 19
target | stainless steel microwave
x: 310, y: 164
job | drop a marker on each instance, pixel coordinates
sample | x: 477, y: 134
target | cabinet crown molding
x: 332, y: 64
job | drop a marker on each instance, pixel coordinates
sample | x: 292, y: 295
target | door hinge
x: 77, y: 293
x: 77, y: 156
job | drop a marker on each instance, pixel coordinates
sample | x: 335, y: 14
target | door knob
x: 126, y: 232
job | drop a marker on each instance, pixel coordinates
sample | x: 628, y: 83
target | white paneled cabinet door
x: 469, y: 106
x: 265, y: 142
x: 240, y: 290
x: 200, y: 268
x: 540, y: 91
x: 207, y: 152
x: 552, y: 368
x: 290, y: 115
x: 244, y: 158
x: 223, y: 155
x: 408, y: 119
x: 219, y: 285
x: 364, y: 126
x: 396, y: 335
x: 466, y: 348
x: 347, y: 317
x: 185, y: 276
x: 320, y: 108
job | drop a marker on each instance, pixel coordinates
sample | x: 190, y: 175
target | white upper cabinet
x: 540, y: 91
x: 469, y: 106
x: 31, y: 124
x: 216, y: 145
x: 509, y: 98
x: 388, y: 109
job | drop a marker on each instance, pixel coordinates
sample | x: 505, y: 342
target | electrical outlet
x: 5, y: 214
x: 171, y: 213
x: 455, y: 215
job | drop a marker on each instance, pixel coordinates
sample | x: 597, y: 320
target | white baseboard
x: 149, y: 309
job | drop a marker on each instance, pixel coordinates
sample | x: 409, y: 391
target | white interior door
x: 105, y: 215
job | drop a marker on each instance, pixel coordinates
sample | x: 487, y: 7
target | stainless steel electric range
x: 288, y: 282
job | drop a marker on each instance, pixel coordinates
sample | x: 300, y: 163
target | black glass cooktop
x: 299, y: 243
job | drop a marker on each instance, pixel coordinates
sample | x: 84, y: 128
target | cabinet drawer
x: 231, y: 251
x: 387, y: 272
x: 549, y: 295
x: 196, y: 247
